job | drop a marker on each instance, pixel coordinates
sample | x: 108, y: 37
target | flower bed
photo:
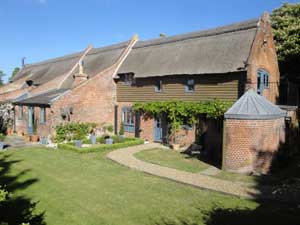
x: 101, y: 147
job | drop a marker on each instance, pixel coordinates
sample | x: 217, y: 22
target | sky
x: 44, y: 29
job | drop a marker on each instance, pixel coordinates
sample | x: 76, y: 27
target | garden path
x: 126, y: 157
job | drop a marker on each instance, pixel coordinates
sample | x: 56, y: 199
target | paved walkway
x: 14, y: 141
x: 284, y: 193
x: 126, y: 157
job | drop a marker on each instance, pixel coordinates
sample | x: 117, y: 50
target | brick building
x: 219, y: 63
x: 254, y: 129
x: 76, y: 87
x: 101, y: 84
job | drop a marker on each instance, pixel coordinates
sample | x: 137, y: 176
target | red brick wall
x: 147, y: 127
x: 250, y: 145
x: 93, y: 101
x: 263, y: 56
x: 43, y: 130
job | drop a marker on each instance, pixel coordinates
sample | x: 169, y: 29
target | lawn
x: 172, y: 159
x: 184, y: 162
x: 72, y: 188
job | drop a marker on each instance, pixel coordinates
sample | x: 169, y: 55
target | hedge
x: 98, y: 148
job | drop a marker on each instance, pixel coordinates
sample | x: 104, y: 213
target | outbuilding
x: 254, y: 129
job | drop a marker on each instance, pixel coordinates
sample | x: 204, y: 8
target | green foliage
x: 286, y: 30
x: 110, y: 128
x: 101, y: 147
x: 73, y: 131
x: 117, y: 139
x: 2, y: 137
x: 179, y: 112
x: 3, y: 195
x: 121, y: 132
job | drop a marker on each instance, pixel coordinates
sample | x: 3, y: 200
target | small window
x: 42, y: 115
x: 262, y: 81
x: 158, y: 86
x: 20, y: 113
x: 128, y: 79
x: 128, y: 119
x: 190, y: 85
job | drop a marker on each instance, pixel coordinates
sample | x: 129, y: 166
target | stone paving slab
x: 211, y: 171
x: 126, y: 157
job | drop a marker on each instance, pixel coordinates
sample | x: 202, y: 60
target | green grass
x: 183, y: 162
x: 172, y: 159
x: 100, y: 147
x: 72, y: 188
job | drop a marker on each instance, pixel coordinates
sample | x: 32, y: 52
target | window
x: 190, y: 85
x: 20, y: 113
x: 262, y: 81
x: 128, y: 119
x: 42, y: 115
x: 128, y: 79
x: 158, y: 86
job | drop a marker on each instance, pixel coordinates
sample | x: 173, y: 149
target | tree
x: 286, y: 30
x: 2, y: 74
x: 15, y: 71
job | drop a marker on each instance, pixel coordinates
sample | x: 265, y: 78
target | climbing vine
x: 179, y: 112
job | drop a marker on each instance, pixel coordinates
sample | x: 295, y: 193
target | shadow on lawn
x: 19, y: 209
x: 281, y: 207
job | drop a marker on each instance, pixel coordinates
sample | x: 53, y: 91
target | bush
x: 2, y: 137
x: 73, y: 131
x: 98, y: 148
x: 121, y: 132
x: 117, y: 139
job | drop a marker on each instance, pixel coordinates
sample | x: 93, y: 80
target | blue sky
x: 43, y: 29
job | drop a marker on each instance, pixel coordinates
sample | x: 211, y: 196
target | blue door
x: 157, y: 129
x: 30, y: 120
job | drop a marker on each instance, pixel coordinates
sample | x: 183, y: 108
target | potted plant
x: 109, y: 130
x: 2, y: 137
x: 93, y: 136
x: 174, y: 134
x: 34, y: 137
x: 78, y: 139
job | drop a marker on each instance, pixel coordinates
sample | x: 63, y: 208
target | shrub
x: 117, y: 139
x: 121, y: 132
x: 2, y: 137
x: 99, y: 148
x: 73, y: 131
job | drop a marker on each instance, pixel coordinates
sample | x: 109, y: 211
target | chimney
x: 80, y: 76
x: 23, y: 62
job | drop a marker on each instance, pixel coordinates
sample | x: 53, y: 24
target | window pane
x: 43, y: 115
x: 190, y: 85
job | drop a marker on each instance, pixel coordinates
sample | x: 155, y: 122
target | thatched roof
x: 95, y: 61
x: 221, y: 50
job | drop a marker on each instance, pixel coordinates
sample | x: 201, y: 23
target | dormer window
x: 158, y: 86
x: 128, y: 79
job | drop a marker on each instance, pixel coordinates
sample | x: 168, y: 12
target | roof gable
x: 220, y: 50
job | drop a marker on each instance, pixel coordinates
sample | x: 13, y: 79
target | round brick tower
x: 254, y: 129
